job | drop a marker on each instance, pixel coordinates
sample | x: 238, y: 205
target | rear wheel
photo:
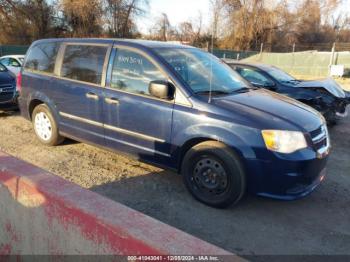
x: 214, y: 175
x: 45, y: 126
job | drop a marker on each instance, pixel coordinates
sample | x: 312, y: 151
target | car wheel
x: 45, y: 126
x: 214, y: 174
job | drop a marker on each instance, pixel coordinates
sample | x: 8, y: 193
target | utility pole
x: 331, y: 59
x: 261, y: 51
x: 165, y: 25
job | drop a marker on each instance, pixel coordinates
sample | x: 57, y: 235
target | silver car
x: 13, y: 62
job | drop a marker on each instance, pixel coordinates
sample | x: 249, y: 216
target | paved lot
x: 318, y: 224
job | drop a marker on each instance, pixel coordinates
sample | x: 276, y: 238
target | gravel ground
x: 318, y: 224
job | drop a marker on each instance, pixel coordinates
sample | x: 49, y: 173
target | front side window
x: 84, y: 63
x: 14, y: 63
x: 42, y: 57
x: 202, y: 71
x: 280, y: 75
x: 254, y: 77
x: 133, y: 72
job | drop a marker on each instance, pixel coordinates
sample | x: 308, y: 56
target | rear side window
x: 42, y: 57
x: 84, y: 63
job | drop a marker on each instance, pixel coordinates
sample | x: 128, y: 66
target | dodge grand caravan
x: 176, y: 107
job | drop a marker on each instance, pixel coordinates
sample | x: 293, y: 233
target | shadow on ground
x: 4, y: 114
x: 318, y: 224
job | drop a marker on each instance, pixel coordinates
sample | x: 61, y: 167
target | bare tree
x: 235, y: 24
x: 24, y: 21
x: 162, y: 29
x: 251, y: 22
x: 119, y: 14
x: 83, y: 17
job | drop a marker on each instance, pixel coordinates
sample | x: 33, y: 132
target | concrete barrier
x: 41, y: 213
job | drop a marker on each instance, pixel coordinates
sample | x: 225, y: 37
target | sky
x: 177, y: 11
x: 183, y: 10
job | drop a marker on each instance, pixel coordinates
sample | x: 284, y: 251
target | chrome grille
x: 6, y: 92
x: 7, y: 88
x: 321, y: 141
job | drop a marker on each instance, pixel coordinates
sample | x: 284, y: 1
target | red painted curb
x: 109, y: 227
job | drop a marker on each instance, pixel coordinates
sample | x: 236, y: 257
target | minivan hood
x: 329, y: 84
x: 6, y: 78
x: 279, y: 109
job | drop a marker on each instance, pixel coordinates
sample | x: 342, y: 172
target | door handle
x: 91, y: 95
x: 112, y: 100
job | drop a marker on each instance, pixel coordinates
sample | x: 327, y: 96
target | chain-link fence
x: 230, y: 54
x: 13, y: 50
x: 301, y: 59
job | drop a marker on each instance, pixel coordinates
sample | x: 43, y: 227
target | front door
x: 135, y: 121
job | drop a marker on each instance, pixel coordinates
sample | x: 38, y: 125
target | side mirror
x: 161, y: 89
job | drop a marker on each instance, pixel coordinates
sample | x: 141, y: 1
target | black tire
x: 55, y: 138
x: 228, y: 174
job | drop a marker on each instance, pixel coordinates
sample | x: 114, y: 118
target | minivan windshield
x: 202, y: 71
x: 2, y: 68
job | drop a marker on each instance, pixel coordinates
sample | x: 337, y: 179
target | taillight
x: 19, y: 82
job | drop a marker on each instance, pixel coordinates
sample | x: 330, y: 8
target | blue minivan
x: 176, y: 107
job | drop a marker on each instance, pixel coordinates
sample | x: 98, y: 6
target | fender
x: 231, y: 137
x: 45, y: 99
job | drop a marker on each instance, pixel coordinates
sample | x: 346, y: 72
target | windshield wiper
x: 242, y: 90
x: 292, y: 81
x: 220, y: 92
x: 214, y: 92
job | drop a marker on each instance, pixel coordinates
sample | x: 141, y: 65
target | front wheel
x: 45, y: 126
x: 214, y: 174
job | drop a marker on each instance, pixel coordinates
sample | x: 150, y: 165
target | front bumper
x: 346, y: 105
x: 299, y: 190
x: 336, y: 110
x: 342, y: 113
x: 287, y: 178
x: 341, y: 106
x: 347, y: 94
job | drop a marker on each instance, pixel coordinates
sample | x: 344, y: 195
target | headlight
x: 284, y: 141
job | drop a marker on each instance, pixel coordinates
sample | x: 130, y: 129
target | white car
x: 13, y: 62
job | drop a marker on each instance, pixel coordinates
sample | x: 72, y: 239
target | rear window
x: 84, y: 63
x: 42, y: 57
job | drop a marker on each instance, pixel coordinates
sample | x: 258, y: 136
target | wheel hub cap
x: 43, y: 126
x: 210, y: 176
